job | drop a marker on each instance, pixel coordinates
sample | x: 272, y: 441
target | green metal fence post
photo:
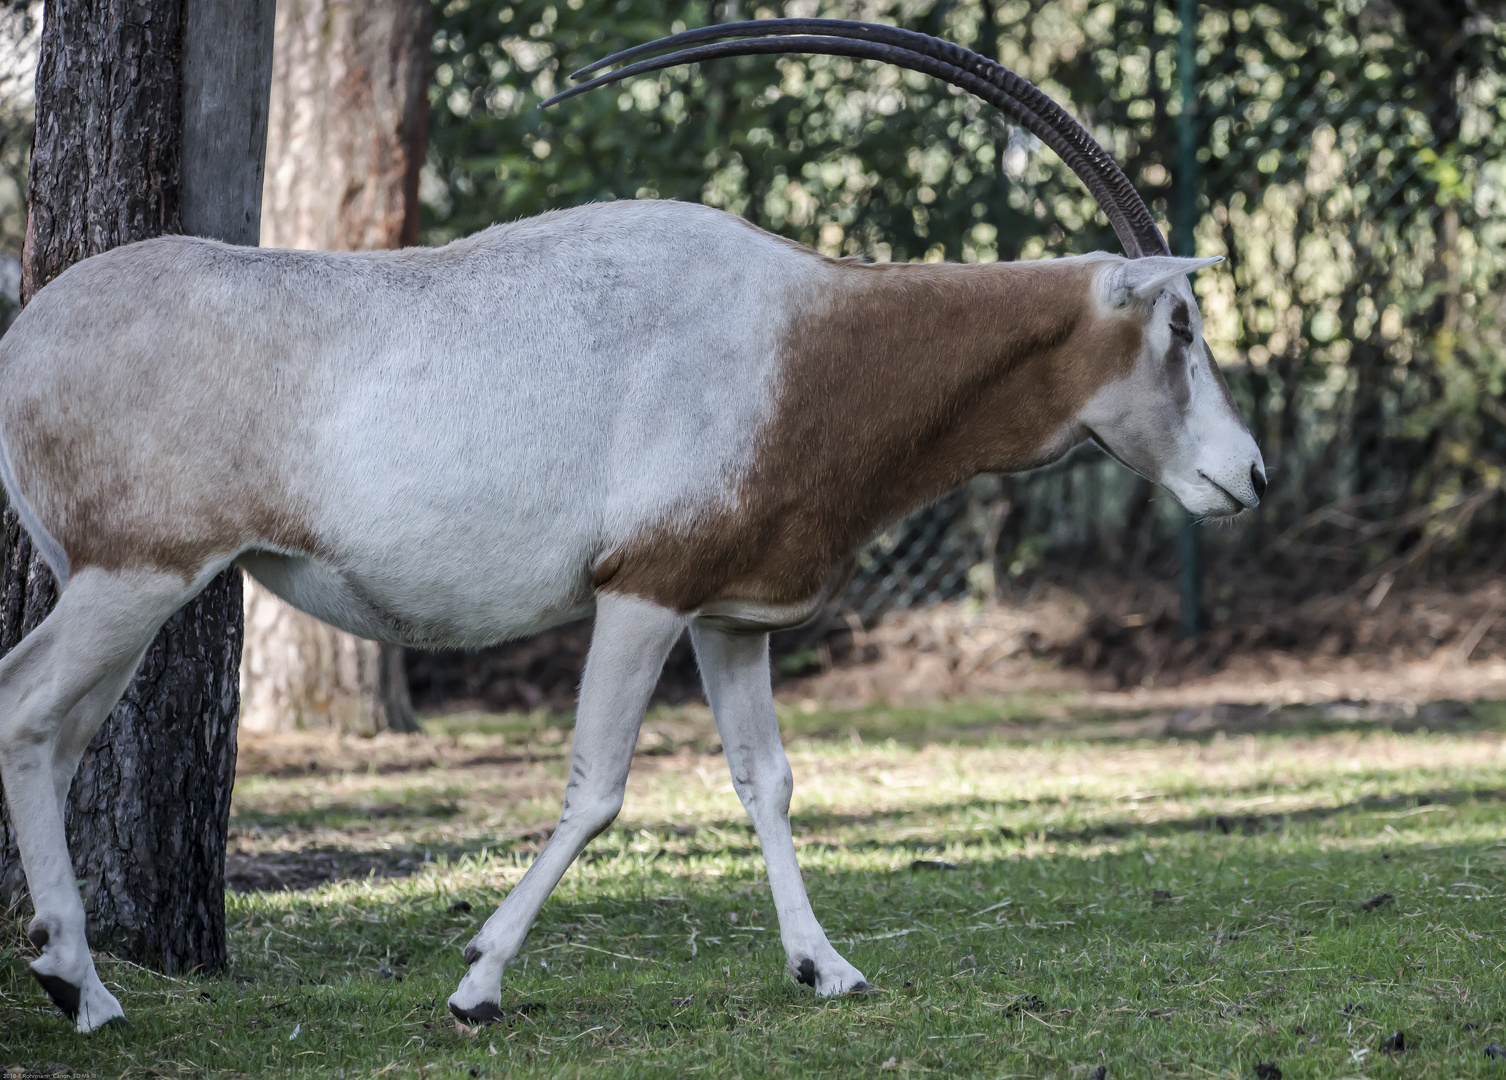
x: 1183, y: 242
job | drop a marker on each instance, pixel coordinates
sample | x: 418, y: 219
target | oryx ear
x: 1143, y: 279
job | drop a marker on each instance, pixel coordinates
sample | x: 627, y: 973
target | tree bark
x: 348, y: 131
x: 150, y: 114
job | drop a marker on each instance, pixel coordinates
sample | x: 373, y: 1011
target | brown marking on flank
x: 140, y: 461
x: 898, y: 382
x: 606, y: 569
x: 98, y: 497
x: 198, y: 539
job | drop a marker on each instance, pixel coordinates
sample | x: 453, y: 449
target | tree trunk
x: 299, y: 674
x: 349, y: 124
x: 348, y: 132
x: 149, y: 121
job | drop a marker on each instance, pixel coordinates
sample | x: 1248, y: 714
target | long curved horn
x: 994, y: 83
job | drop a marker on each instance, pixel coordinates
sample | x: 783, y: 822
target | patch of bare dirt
x: 267, y: 872
x: 1121, y: 644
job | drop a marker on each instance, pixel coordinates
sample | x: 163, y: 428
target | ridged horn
x: 963, y: 68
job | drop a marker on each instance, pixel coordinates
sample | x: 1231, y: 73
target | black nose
x: 1257, y: 478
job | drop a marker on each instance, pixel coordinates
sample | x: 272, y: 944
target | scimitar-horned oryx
x: 651, y: 409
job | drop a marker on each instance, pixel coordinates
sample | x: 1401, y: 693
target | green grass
x: 1183, y: 906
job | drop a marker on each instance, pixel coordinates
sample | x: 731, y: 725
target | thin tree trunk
x: 149, y: 114
x: 299, y: 674
x: 349, y: 124
x: 347, y: 138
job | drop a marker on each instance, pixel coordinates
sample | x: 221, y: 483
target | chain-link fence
x: 1346, y: 159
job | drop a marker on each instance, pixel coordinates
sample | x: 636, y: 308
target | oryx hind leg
x: 629, y: 644
x: 735, y: 668
x: 56, y: 688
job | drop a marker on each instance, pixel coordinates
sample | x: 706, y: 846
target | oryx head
x: 1170, y: 418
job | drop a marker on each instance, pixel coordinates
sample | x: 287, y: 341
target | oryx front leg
x: 56, y: 688
x: 628, y: 647
x: 735, y: 668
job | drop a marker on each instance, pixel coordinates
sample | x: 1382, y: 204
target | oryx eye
x: 1182, y: 332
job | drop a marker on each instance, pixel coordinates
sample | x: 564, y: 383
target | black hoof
x: 116, y: 1022
x: 860, y: 988
x: 807, y: 974
x: 62, y: 992
x: 485, y: 1013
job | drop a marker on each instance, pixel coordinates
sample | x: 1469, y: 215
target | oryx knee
x: 33, y: 703
x: 592, y: 814
x: 24, y: 733
x: 768, y: 786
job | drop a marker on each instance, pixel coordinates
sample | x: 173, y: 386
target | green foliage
x: 844, y: 156
x: 1365, y: 247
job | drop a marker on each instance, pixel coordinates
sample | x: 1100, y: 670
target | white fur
x: 628, y: 646
x: 467, y: 429
x: 735, y: 668
x: 465, y: 433
x: 1143, y: 280
x: 56, y: 688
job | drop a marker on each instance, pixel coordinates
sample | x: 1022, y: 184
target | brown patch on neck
x: 898, y: 383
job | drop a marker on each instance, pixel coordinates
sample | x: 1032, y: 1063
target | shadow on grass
x: 1184, y: 967
x: 315, y: 866
x: 913, y: 727
x: 342, y: 815
x: 1087, y: 820
x: 1123, y: 829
